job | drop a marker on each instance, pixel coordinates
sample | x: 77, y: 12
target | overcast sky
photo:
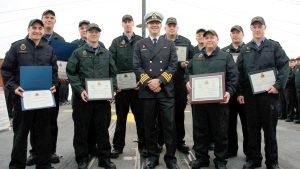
x: 281, y: 16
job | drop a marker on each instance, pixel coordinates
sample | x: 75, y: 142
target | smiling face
x: 171, y: 29
x: 211, y: 41
x: 49, y: 21
x: 82, y: 30
x: 35, y: 31
x: 236, y: 36
x: 93, y: 35
x: 154, y: 28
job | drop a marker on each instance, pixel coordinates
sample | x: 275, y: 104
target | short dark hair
x: 200, y: 30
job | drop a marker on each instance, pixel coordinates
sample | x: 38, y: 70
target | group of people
x: 159, y: 99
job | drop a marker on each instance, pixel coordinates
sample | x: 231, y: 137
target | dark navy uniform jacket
x: 268, y: 55
x: 151, y: 62
x: 25, y: 53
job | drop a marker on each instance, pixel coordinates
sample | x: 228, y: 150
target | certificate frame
x: 186, y: 53
x: 61, y: 69
x: 262, y: 72
x: 105, y: 80
x: 126, y: 86
x: 24, y: 108
x: 219, y: 86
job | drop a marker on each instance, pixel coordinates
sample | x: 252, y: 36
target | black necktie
x: 154, y: 41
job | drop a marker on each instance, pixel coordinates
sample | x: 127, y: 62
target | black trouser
x: 290, y: 103
x: 297, y: 115
x: 165, y: 107
x: 98, y: 113
x: 64, y: 92
x: 180, y: 104
x: 53, y: 125
x: 210, y: 119
x: 9, y: 98
x: 23, y: 122
x: 124, y: 100
x: 261, y: 114
x: 282, y: 104
x: 92, y: 143
x: 236, y: 109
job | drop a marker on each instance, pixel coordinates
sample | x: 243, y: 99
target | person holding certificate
x: 210, y: 119
x: 154, y: 63
x: 185, y: 52
x: 264, y: 69
x: 122, y: 48
x: 89, y: 69
x: 31, y: 51
x: 235, y: 109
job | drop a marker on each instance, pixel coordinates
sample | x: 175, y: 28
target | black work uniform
x: 55, y: 110
x: 122, y: 50
x: 236, y: 109
x: 210, y: 120
x: 158, y: 61
x: 260, y: 108
x: 290, y: 95
x: 87, y: 62
x: 180, y: 89
x: 92, y: 134
x: 25, y: 53
x: 297, y: 88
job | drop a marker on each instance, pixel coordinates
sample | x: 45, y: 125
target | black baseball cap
x: 48, y: 11
x: 83, y: 22
x: 93, y: 26
x: 258, y: 19
x: 171, y: 20
x: 213, y: 32
x: 200, y: 30
x: 33, y: 21
x: 127, y: 17
x: 237, y: 27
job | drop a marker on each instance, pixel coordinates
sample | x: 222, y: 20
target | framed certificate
x: 207, y: 88
x: 62, y: 69
x: 181, y: 53
x: 99, y: 89
x: 261, y: 80
x: 126, y: 80
x: 4, y: 119
x: 37, y: 99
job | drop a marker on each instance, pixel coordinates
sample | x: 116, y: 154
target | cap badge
x: 23, y: 46
x: 154, y: 16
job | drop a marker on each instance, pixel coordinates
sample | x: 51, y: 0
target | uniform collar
x: 94, y: 50
x: 126, y: 38
x: 212, y: 54
x: 232, y: 49
x: 166, y: 37
x: 255, y: 45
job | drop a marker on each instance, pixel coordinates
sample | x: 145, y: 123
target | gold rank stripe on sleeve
x: 167, y: 76
x: 144, y: 77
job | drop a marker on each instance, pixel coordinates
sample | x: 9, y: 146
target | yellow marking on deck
x: 130, y: 118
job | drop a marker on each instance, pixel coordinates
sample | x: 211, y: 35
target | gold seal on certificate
x: 261, y: 80
x: 62, y: 69
x: 99, y: 89
x: 37, y: 99
x: 207, y: 88
x: 181, y: 53
x: 126, y: 80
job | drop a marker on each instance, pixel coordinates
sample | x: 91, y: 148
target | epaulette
x: 274, y: 41
x: 16, y: 41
